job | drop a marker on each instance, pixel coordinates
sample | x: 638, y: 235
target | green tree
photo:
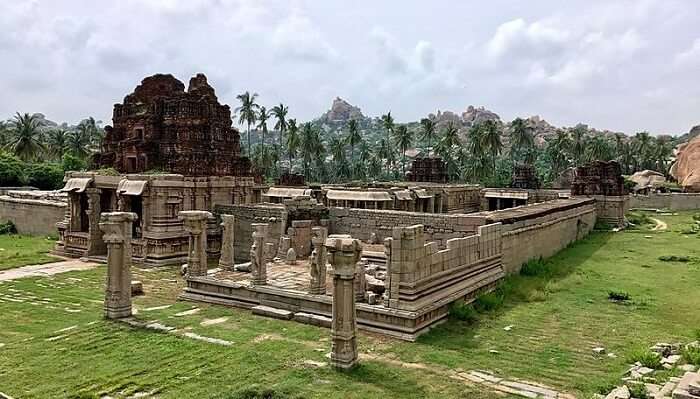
x: 388, y: 124
x: 56, y: 143
x: 578, y: 143
x: 598, y: 149
x: 311, y: 147
x: 403, y: 137
x: 280, y: 113
x: 292, y: 143
x: 247, y: 111
x: 522, y: 141
x: 491, y: 136
x: 353, y: 138
x: 11, y: 170
x: 78, y: 142
x: 336, y: 147
x: 644, y: 152
x: 25, y: 137
x: 263, y: 117
x: 386, y: 152
x: 428, y: 132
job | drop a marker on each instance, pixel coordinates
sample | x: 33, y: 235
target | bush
x: 461, y: 311
x: 638, y: 219
x: 489, y: 301
x: 618, y: 296
x: 11, y: 171
x: 533, y: 267
x: 8, y: 228
x: 691, y: 354
x: 536, y: 296
x: 45, y: 176
x: 71, y: 162
x: 256, y: 392
x: 674, y: 258
x: 638, y: 391
x: 646, y: 358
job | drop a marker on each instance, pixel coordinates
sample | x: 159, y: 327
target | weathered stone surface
x: 291, y: 256
x: 619, y: 393
x: 117, y: 236
x: 316, y: 320
x: 688, y: 387
x: 195, y: 223
x: 317, y: 269
x: 162, y: 126
x: 258, y: 263
x: 645, y: 179
x: 342, y: 111
x: 272, y: 312
x: 136, y: 288
x: 226, y: 261
x: 686, y: 169
x: 599, y: 178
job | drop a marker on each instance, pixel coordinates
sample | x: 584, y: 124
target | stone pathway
x: 46, y: 269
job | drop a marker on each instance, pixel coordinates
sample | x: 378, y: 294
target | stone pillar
x: 196, y: 225
x: 360, y: 279
x: 317, y: 285
x: 117, y: 235
x: 226, y: 261
x: 258, y: 264
x: 342, y: 251
x: 95, y: 245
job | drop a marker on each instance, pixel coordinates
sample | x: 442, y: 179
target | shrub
x: 256, y: 392
x: 646, y: 358
x: 638, y: 391
x: 536, y: 296
x: 8, y: 228
x: 11, y: 171
x: 618, y: 296
x: 45, y: 176
x: 674, y: 258
x: 71, y: 162
x: 488, y: 302
x: 691, y: 354
x: 638, y: 219
x: 461, y: 311
x: 533, y: 267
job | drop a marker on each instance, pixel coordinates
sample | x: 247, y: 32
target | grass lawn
x: 18, y: 250
x: 54, y: 342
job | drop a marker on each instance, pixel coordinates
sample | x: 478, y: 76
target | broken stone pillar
x: 291, y: 256
x: 227, y: 236
x: 258, y: 264
x: 283, y: 247
x: 95, y: 245
x: 342, y: 251
x: 360, y: 280
x: 196, y: 225
x: 317, y: 285
x: 117, y: 236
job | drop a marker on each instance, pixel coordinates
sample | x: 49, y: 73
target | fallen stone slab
x: 210, y: 340
x: 688, y: 385
x: 187, y: 312
x: 268, y: 311
x: 316, y: 320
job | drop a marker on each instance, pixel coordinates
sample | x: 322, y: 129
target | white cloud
x: 689, y: 57
x: 297, y: 38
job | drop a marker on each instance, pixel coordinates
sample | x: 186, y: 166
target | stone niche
x: 160, y: 126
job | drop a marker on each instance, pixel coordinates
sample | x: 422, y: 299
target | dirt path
x: 46, y: 269
x: 660, y: 225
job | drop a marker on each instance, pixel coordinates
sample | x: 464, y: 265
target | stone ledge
x: 272, y: 312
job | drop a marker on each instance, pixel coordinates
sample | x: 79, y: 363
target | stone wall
x: 672, y: 201
x: 274, y: 215
x: 542, y: 230
x: 361, y: 223
x: 420, y: 276
x: 33, y: 212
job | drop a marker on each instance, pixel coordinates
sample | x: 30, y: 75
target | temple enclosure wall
x: 672, y: 201
x: 33, y: 212
x: 439, y: 227
x: 542, y: 230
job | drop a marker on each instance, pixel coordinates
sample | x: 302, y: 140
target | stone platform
x: 286, y: 290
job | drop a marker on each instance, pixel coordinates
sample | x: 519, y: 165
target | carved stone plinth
x: 258, y: 263
x: 196, y: 225
x: 226, y: 261
x: 342, y: 251
x: 317, y: 284
x: 117, y: 236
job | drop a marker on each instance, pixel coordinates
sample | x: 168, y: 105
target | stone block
x: 272, y: 312
x: 136, y: 288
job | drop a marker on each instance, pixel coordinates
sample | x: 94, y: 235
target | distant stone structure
x: 160, y: 126
x: 429, y: 169
x: 686, y: 169
x: 525, y: 176
x: 117, y: 235
x: 290, y: 179
x: 604, y: 182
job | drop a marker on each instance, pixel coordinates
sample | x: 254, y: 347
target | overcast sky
x: 618, y: 65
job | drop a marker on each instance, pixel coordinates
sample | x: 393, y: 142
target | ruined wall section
x: 420, y: 277
x: 246, y: 215
x: 542, y: 230
x: 672, y: 201
x: 361, y: 223
x: 33, y: 212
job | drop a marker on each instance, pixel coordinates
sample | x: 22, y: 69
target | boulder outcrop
x: 686, y: 169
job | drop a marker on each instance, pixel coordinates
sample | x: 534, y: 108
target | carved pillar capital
x: 116, y: 226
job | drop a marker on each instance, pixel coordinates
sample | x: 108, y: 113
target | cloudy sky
x: 618, y: 65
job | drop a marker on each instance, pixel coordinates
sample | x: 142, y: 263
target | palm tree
x: 388, y: 124
x: 428, y: 132
x: 56, y: 142
x: 374, y: 168
x: 643, y: 149
x: 280, y: 113
x: 246, y: 112
x: 25, y: 137
x: 491, y: 137
x: 521, y: 139
x: 598, y: 149
x: 403, y: 138
x: 578, y: 143
x: 263, y: 116
x: 292, y: 140
x: 310, y: 145
x: 386, y: 152
x: 557, y: 151
x: 360, y: 169
x: 336, y: 147
x: 78, y: 142
x: 353, y: 138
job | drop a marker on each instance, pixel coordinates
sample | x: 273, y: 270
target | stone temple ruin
x: 383, y: 257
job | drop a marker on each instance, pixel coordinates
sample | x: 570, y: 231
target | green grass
x: 559, y: 311
x: 18, y: 250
